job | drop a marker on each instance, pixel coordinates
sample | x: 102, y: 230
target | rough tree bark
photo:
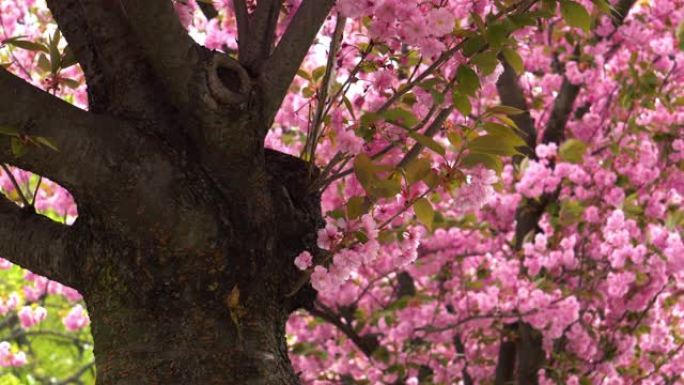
x: 187, y: 226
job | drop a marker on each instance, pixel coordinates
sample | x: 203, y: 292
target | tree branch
x: 115, y: 68
x: 169, y: 49
x: 562, y: 107
x: 290, y: 52
x: 460, y: 349
x: 37, y: 243
x: 512, y: 95
x: 257, y: 44
x: 527, y: 350
x: 621, y: 11
x: 367, y: 343
x: 208, y: 10
x: 242, y: 20
x: 85, y: 142
x: 505, y: 365
x: 429, y: 132
x: 530, y: 354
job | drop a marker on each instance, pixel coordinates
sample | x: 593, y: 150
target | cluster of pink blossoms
x: 9, y: 358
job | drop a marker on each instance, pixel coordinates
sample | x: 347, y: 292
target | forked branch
x: 166, y: 44
x: 34, y: 121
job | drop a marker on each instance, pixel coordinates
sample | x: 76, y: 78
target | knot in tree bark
x: 229, y: 83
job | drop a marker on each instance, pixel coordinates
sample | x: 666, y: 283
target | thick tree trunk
x: 213, y: 312
x: 162, y: 339
x: 188, y: 228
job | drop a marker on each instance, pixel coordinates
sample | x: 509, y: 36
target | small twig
x: 75, y: 377
x: 16, y: 185
x: 316, y: 131
x: 35, y: 192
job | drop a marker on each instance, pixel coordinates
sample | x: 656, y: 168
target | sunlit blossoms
x: 76, y: 319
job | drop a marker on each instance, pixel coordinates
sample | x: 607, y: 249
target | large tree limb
x: 525, y: 353
x: 242, y: 21
x: 84, y: 141
x: 256, y: 45
x: 512, y: 95
x: 562, y: 107
x: 505, y: 366
x: 37, y: 243
x: 70, y: 17
x: 101, y: 39
x: 166, y: 44
x: 291, y: 50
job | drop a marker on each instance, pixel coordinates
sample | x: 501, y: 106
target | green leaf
x: 417, y: 169
x: 493, y: 145
x: 479, y: 23
x: 570, y: 212
x: 432, y: 179
x: 506, y: 110
x: 572, y: 150
x: 631, y: 205
x: 368, y: 118
x: 674, y: 219
x: 318, y: 73
x: 496, y: 35
x: 18, y: 147
x: 304, y: 74
x: 350, y: 107
x: 473, y: 45
x: 424, y: 212
x: 44, y: 63
x: 467, y: 79
x: 603, y: 6
x: 46, y: 142
x: 428, y: 142
x: 7, y: 130
x: 68, y: 58
x: 71, y: 83
x: 357, y: 206
x: 55, y: 57
x: 429, y: 84
x: 488, y: 161
x: 461, y: 102
x: 506, y: 120
x: 27, y: 45
x: 387, y: 188
x: 381, y: 353
x: 455, y: 139
x: 523, y: 19
x: 513, y: 59
x: 400, y: 117
x: 575, y: 15
x: 486, y: 62
x: 504, y: 131
x: 364, y: 171
x: 680, y: 36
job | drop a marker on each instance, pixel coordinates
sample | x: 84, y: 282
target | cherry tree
x: 350, y: 192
